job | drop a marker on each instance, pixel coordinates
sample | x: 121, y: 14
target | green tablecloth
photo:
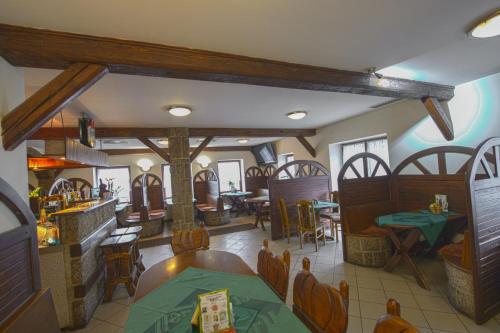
x: 429, y: 224
x: 324, y: 204
x: 169, y: 307
x: 235, y: 194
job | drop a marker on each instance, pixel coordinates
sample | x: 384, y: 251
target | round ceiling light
x: 296, y: 115
x: 488, y: 27
x: 179, y: 111
x: 242, y: 141
x: 163, y: 141
x: 145, y: 164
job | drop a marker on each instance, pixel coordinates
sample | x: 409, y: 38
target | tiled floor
x: 368, y: 288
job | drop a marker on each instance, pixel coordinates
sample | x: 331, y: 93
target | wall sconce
x: 203, y: 160
x: 145, y: 164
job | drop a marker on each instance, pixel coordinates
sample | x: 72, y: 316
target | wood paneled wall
x: 154, y: 192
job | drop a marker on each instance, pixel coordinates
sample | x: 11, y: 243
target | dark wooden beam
x: 149, y: 151
x: 19, y: 124
x: 307, y: 145
x: 441, y: 116
x: 46, y: 133
x: 31, y: 47
x: 162, y: 153
x: 200, y: 148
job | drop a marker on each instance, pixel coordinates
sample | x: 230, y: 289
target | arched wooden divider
x: 255, y: 180
x: 81, y: 185
x: 305, y: 180
x: 269, y: 170
x: 364, y: 193
x: 484, y: 223
x: 20, y: 292
x: 205, y: 183
x: 154, y: 187
x: 61, y: 184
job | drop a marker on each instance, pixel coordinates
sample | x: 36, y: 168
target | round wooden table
x: 219, y: 261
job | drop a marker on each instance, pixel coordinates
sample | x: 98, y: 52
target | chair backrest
x: 274, y: 270
x: 392, y: 321
x: 305, y: 215
x: 283, y: 212
x: 190, y: 240
x: 321, y: 307
x: 262, y: 192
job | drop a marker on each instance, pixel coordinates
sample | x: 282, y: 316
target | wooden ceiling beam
x: 32, y: 47
x: 200, y: 148
x: 47, y: 133
x: 150, y: 144
x: 441, y: 115
x: 165, y: 150
x: 307, y: 145
x: 19, y: 124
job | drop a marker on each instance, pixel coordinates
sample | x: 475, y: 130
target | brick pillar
x: 180, y: 170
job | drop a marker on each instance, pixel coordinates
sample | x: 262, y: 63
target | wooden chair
x: 274, y: 270
x: 307, y: 224
x: 392, y: 321
x: 190, y: 240
x: 321, y: 307
x: 285, y: 222
x: 333, y: 215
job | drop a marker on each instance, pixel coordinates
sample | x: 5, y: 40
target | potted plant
x: 231, y: 185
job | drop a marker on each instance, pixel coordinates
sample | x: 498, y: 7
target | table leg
x: 258, y: 215
x: 402, y: 252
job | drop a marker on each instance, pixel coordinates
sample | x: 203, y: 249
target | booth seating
x: 210, y: 206
x: 458, y: 265
x: 123, y: 263
x: 24, y: 307
x: 471, y: 180
x: 294, y: 181
x: 148, y: 205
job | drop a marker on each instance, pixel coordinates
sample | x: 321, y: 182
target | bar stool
x: 132, y: 231
x: 120, y: 257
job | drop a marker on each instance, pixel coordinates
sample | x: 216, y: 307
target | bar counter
x: 74, y: 269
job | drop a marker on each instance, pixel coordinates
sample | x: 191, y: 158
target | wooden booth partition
x: 205, y: 185
x: 153, y: 185
x: 256, y: 181
x: 483, y: 175
x: 24, y: 307
x: 365, y: 193
x: 297, y: 180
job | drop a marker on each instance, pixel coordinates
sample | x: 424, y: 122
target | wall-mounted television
x: 265, y: 154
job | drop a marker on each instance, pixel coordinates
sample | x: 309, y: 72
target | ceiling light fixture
x: 163, y: 141
x: 179, y: 111
x: 145, y: 164
x: 242, y: 141
x: 296, y: 115
x: 487, y: 27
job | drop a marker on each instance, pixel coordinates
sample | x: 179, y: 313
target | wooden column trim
x: 440, y: 114
x: 162, y: 153
x: 200, y: 148
x: 29, y: 116
x: 307, y: 145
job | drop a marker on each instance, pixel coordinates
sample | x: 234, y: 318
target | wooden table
x: 405, y: 238
x: 259, y: 203
x: 237, y: 201
x: 220, y: 261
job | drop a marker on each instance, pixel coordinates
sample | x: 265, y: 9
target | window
x: 120, y: 177
x: 230, y: 171
x: 377, y: 146
x: 284, y: 159
x: 167, y: 181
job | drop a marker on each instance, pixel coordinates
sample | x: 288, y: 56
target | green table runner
x: 235, y: 194
x: 169, y: 307
x: 429, y: 224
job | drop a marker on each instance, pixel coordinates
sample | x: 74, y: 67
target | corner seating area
x: 210, y: 206
x: 471, y: 180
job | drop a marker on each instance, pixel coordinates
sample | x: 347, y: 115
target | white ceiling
x: 426, y: 37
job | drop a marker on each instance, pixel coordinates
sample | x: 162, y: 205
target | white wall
x: 13, y: 168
